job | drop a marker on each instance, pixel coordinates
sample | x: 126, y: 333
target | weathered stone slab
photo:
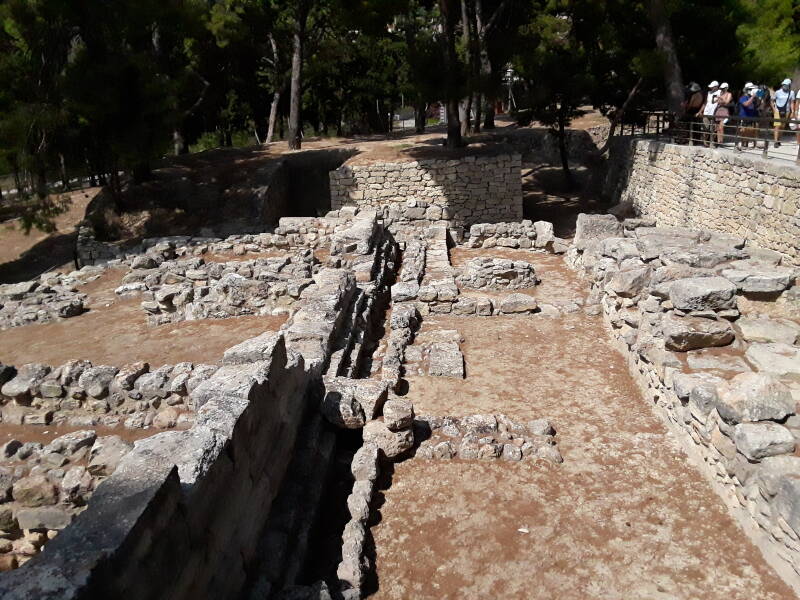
x: 446, y: 360
x: 779, y: 359
x: 751, y: 397
x: 759, y: 440
x: 766, y: 330
x: 594, y: 228
x: 703, y: 293
x: 690, y: 333
x: 518, y: 304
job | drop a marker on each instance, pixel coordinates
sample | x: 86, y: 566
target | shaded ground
x: 26, y: 256
x: 623, y: 517
x: 547, y: 197
x: 114, y: 331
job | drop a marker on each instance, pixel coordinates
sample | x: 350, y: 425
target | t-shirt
x: 711, y: 103
x: 746, y: 111
x: 783, y: 100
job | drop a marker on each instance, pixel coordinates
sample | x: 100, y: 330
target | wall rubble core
x: 702, y: 188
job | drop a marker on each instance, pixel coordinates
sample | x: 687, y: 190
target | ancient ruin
x: 419, y: 388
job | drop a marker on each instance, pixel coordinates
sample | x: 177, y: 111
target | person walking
x: 708, y: 110
x: 783, y: 101
x: 723, y: 111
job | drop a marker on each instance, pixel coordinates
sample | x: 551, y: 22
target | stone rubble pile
x: 497, y: 274
x: 44, y: 486
x: 84, y: 395
x: 729, y: 381
x: 177, y: 290
x: 51, y: 297
x: 485, y: 437
x: 523, y: 234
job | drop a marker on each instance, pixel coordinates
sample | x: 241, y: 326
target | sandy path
x: 624, y: 517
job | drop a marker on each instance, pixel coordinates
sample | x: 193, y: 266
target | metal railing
x: 733, y: 132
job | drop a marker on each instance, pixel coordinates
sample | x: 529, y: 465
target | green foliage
x: 113, y: 86
x: 770, y: 34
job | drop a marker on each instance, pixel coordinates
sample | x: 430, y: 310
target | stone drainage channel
x: 443, y: 415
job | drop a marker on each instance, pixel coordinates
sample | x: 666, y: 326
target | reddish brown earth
x: 114, y: 331
x: 624, y: 517
x: 44, y: 434
x: 27, y: 255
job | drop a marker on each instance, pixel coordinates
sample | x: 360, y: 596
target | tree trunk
x: 477, y: 103
x: 488, y: 122
x: 450, y: 62
x: 466, y: 35
x: 464, y: 110
x: 419, y: 118
x: 273, y: 115
x: 562, y: 148
x: 276, y: 95
x: 40, y: 182
x: 295, y: 131
x: 177, y: 142
x: 673, y: 78
x: 64, y: 176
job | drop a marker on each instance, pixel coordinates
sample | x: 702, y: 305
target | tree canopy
x: 106, y: 88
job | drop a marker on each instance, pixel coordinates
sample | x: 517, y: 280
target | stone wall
x: 475, y: 189
x: 156, y: 528
x: 702, y: 188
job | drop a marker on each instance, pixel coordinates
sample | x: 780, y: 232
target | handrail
x: 736, y: 132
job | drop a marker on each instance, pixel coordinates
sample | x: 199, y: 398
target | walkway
x: 623, y: 517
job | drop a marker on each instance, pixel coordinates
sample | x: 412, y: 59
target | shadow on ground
x: 547, y: 197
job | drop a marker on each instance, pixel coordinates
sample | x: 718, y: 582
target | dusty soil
x: 114, y: 331
x: 45, y: 434
x: 623, y: 517
x: 25, y: 256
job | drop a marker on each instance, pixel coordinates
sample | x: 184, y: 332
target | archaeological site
x: 400, y: 300
x: 420, y: 393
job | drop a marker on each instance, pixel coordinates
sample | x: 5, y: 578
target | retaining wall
x: 473, y: 189
x: 703, y: 188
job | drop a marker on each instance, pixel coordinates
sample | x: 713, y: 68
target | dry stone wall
x: 475, y: 189
x: 701, y: 188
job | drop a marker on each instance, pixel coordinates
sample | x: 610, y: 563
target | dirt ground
x: 25, y: 256
x: 623, y: 517
x: 114, y: 331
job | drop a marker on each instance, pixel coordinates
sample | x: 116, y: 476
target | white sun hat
x: 724, y: 86
x: 787, y: 81
x: 714, y: 83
